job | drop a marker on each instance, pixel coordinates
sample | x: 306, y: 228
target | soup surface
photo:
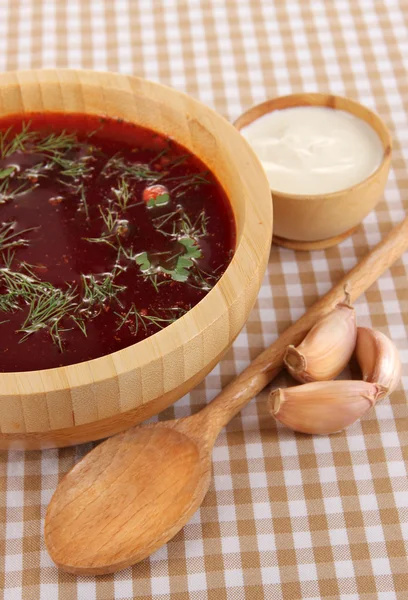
x: 108, y: 233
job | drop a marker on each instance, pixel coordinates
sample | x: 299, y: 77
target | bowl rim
x: 329, y: 101
x: 54, y: 379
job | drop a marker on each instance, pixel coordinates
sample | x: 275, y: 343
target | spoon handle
x: 268, y: 364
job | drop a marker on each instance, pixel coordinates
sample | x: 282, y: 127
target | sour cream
x: 314, y: 149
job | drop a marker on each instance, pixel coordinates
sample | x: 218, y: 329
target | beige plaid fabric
x: 287, y: 516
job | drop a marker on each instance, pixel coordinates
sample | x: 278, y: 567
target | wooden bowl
x: 318, y: 221
x: 95, y: 399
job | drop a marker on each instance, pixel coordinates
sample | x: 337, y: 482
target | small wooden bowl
x: 307, y: 222
x: 95, y: 399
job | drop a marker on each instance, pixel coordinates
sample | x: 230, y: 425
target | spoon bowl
x: 126, y: 498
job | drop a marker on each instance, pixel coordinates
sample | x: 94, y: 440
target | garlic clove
x: 378, y: 358
x: 323, y: 407
x: 326, y: 349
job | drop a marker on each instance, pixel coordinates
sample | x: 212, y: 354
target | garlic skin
x: 323, y: 407
x: 378, y: 358
x: 326, y: 349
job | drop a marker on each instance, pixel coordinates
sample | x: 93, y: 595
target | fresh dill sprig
x: 116, y: 228
x: 74, y: 174
x: 134, y: 314
x: 122, y: 194
x: 36, y: 171
x: 7, y: 192
x: 8, y: 258
x: 201, y: 280
x: 56, y: 151
x: 25, y: 283
x: 8, y: 302
x: 83, y: 199
x: 120, y: 167
x: 183, y: 182
x: 154, y: 279
x: 135, y: 318
x: 34, y: 142
x: 55, y: 144
x: 101, y: 240
x: 160, y: 221
x: 197, y: 229
x: 110, y: 218
x: 181, y: 224
x: 99, y: 290
x: 159, y: 322
x: 49, y: 306
x: 12, y: 239
x: 74, y: 169
x: 9, y: 143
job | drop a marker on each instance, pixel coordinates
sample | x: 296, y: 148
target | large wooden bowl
x: 324, y: 218
x: 91, y: 400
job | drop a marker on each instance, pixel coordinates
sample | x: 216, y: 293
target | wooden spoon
x: 135, y: 491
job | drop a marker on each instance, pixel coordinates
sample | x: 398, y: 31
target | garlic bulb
x: 378, y: 358
x: 326, y: 349
x: 323, y: 406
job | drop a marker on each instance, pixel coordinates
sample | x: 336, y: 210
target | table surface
x: 287, y: 516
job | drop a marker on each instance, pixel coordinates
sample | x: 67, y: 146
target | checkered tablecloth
x: 287, y: 516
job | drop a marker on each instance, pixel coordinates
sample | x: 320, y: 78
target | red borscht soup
x: 108, y: 233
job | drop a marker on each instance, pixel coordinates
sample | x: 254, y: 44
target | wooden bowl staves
x: 307, y: 221
x: 95, y: 399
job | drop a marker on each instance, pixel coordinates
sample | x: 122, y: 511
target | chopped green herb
x: 143, y: 261
x: 99, y: 290
x: 74, y: 169
x: 8, y: 302
x: 53, y: 145
x: 33, y: 142
x: 6, y: 172
x: 51, y: 307
x: 118, y: 166
x: 135, y: 318
x: 122, y: 194
x: 181, y: 270
x: 187, y: 181
x: 54, y: 149
x: 7, y: 192
x: 11, y: 143
x: 160, y: 200
x: 181, y: 224
x: 48, y: 308
x: 12, y: 239
x: 184, y: 263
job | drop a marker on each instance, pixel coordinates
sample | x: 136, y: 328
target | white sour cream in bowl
x: 314, y: 149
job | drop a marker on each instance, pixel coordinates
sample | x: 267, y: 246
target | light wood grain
x: 87, y: 401
x: 132, y: 493
x: 320, y: 217
x: 308, y: 246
